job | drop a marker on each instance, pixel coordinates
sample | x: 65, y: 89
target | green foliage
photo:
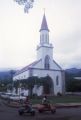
x: 58, y: 99
x: 29, y: 83
x: 6, y: 81
x: 72, y: 85
x: 4, y: 84
x: 47, y: 84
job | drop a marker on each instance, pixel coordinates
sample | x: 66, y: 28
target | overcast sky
x: 19, y: 32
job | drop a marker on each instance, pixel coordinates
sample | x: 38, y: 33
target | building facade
x: 45, y: 64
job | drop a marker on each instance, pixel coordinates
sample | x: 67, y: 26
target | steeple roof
x: 44, y: 25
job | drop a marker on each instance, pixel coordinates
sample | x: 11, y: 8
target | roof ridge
x: 26, y: 67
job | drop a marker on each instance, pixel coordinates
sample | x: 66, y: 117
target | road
x: 8, y: 113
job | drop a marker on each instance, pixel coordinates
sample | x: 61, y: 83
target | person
x: 45, y: 101
x: 27, y: 103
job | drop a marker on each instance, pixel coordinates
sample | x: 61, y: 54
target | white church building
x: 45, y: 65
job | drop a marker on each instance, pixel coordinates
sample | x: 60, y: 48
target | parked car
x: 5, y: 95
x: 17, y: 97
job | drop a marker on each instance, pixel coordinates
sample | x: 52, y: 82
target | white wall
x: 22, y: 75
x: 53, y: 75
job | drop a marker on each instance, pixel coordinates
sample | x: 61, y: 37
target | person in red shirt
x: 27, y: 103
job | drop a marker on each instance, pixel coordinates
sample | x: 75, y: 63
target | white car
x: 6, y: 95
x: 17, y: 97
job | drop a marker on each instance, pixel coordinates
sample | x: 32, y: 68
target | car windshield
x: 15, y: 95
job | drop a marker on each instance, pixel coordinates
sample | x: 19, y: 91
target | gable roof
x: 27, y: 67
x: 57, y: 64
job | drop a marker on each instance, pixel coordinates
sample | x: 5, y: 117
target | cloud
x: 19, y: 32
x: 68, y: 49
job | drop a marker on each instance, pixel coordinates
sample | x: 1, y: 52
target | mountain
x: 74, y: 72
x: 6, y: 74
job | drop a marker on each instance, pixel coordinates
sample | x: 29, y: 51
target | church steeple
x: 44, y: 32
x: 44, y: 25
x: 44, y: 49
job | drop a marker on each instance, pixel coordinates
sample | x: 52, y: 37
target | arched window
x: 57, y: 80
x: 43, y: 38
x: 47, y: 38
x: 47, y: 62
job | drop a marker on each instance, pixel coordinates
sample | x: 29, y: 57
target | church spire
x: 44, y: 32
x: 44, y: 25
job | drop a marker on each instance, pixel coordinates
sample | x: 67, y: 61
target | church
x: 45, y: 65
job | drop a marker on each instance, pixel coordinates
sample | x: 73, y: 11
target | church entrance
x: 48, y: 86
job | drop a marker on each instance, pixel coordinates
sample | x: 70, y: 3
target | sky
x: 19, y: 32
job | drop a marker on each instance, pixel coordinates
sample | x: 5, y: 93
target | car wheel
x: 33, y: 113
x: 20, y: 112
x: 53, y: 111
x: 40, y: 111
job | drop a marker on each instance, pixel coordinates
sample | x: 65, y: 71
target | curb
x: 68, y: 105
x: 58, y: 105
x: 62, y: 106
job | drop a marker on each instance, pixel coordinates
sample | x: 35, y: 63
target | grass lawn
x: 59, y: 99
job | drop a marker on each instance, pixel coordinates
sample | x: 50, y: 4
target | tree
x: 26, y: 3
x: 72, y: 85
x: 29, y: 83
x: 47, y: 84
